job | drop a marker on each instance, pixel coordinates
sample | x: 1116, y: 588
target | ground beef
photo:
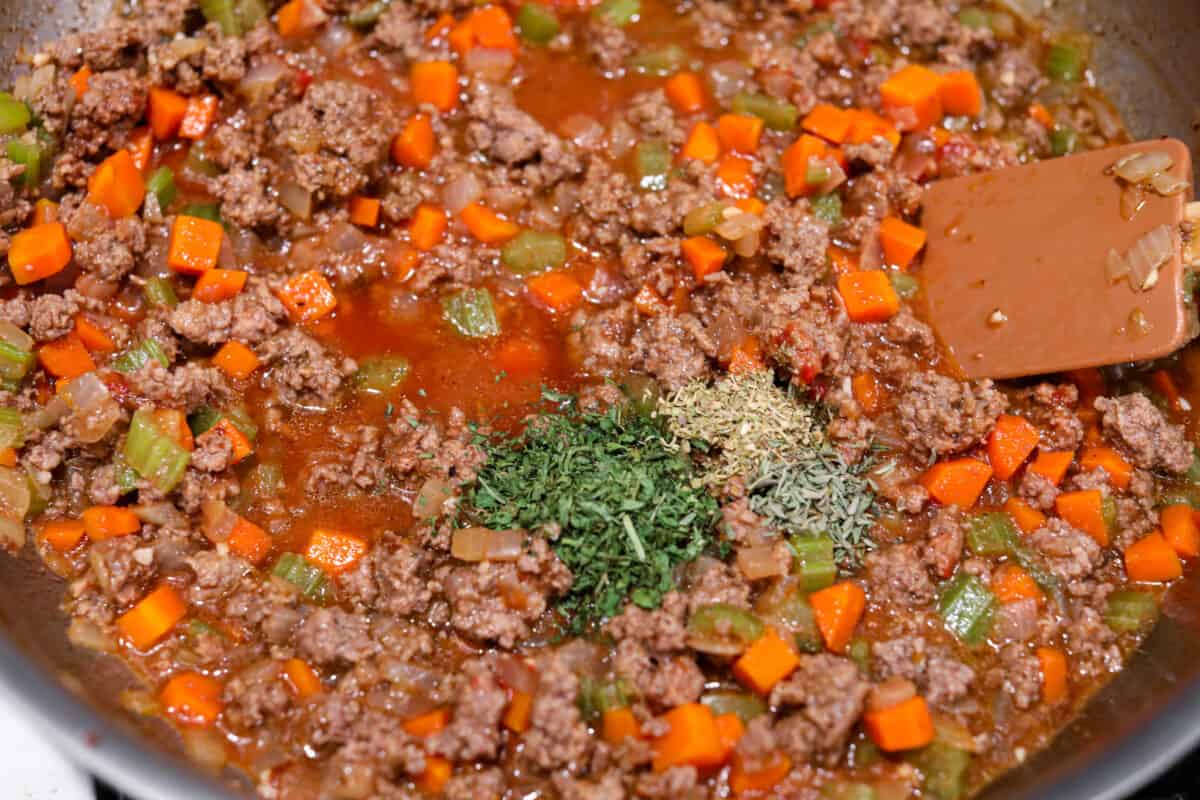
x: 1151, y: 441
x: 246, y: 197
x: 1013, y: 76
x: 599, y: 341
x: 1037, y: 490
x: 213, y: 453
x: 485, y: 784
x: 256, y: 694
x: 663, y: 681
x: 941, y: 415
x: 947, y: 681
x: 805, y: 331
x: 330, y: 637
x: 302, y: 372
x: 715, y: 23
x: 474, y: 729
x: 106, y: 249
x: 251, y: 318
x: 741, y: 525
x: 944, y: 545
x: 1071, y: 554
x: 102, y: 119
x: 675, y: 349
x: 797, y: 240
x: 392, y: 578
x: 503, y: 132
x: 661, y: 630
x: 1052, y: 410
x: 673, y: 783
x: 1092, y: 644
x: 557, y: 736
x: 186, y: 387
x: 217, y: 576
x: 942, y: 679
x: 823, y: 698
x: 52, y: 315
x: 354, y: 461
x: 123, y: 567
x: 897, y: 576
x: 608, y: 787
x: 608, y: 45
x: 1022, y: 676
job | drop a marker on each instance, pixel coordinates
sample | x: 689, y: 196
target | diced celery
x: 860, y: 653
x: 721, y: 625
x: 967, y: 607
x: 1108, y: 510
x: 992, y: 534
x: 202, y: 420
x: 162, y: 186
x: 472, y: 313
x: 797, y: 615
x: 369, y: 14
x: 537, y: 23
x: 776, y: 114
x: 828, y: 207
x: 1063, y: 140
x: 251, y: 12
x: 240, y: 418
x: 906, y: 285
x: 943, y: 770
x: 746, y: 706
x: 618, y: 12
x: 702, y: 219
x: 866, y: 753
x: 308, y: 578
x: 975, y: 18
x: 160, y: 293
x: 209, y: 211
x: 382, y: 375
x: 1129, y: 611
x: 847, y: 790
x: 154, y: 455
x: 815, y: 28
x: 597, y: 696
x: 224, y: 14
x: 265, y: 480
x: 814, y: 561
x: 124, y: 475
x: 1065, y: 62
x: 197, y: 628
x: 135, y: 358
x: 15, y: 363
x: 39, y: 497
x: 661, y: 62
x: 534, y: 251
x: 29, y: 155
x: 652, y: 160
x: 14, y: 114
x: 817, y: 173
x: 1193, y: 473
x: 198, y: 163
x: 12, y: 428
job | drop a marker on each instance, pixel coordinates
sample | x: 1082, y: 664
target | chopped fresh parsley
x: 626, y: 504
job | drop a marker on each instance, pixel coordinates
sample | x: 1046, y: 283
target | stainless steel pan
x: 1143, y: 722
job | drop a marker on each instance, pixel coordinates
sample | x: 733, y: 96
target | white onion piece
x: 461, y: 191
x: 583, y: 130
x: 1167, y: 185
x: 1017, y: 622
x: 891, y: 693
x: 205, y: 747
x: 760, y: 562
x: 184, y: 48
x: 1115, y: 267
x: 481, y: 544
x: 12, y: 534
x: 432, y: 496
x: 15, y: 336
x: 335, y: 38
x: 728, y: 78
x: 48, y: 414
x: 93, y: 409
x: 296, y: 199
x: 489, y: 63
x: 89, y: 635
x: 15, y: 496
x: 1147, y: 255
x: 216, y: 520
x: 260, y: 80
x: 345, y: 238
x: 621, y: 138
x: 1133, y: 200
x: 1027, y: 10
x: 1138, y: 167
x: 160, y: 514
x: 517, y: 674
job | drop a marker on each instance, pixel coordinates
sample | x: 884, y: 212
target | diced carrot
x: 364, y: 211
x: 838, y: 609
x: 191, y: 698
x: 299, y: 18
x: 64, y: 535
x: 865, y: 125
x: 703, y: 255
x: 649, y: 302
x: 94, y: 337
x: 619, y: 724
x: 215, y: 285
x: 702, y: 144
x: 302, y: 678
x: 428, y: 226
x: 1010, y: 443
x: 117, y: 185
x: 195, y: 244
x: 829, y: 122
x: 108, y: 522
x: 746, y: 357
x: 493, y: 28
x: 1054, y: 673
x: 1120, y: 471
x: 759, y: 782
x: 1052, y: 464
x: 236, y: 360
x: 335, y: 552
x: 487, y: 226
x: 141, y: 147
x: 153, y: 617
x: 691, y: 739
x: 249, y: 541
x: 751, y: 205
x: 79, y: 80
x: 867, y: 392
x: 435, y: 83
x: 913, y: 97
x: 1085, y: 511
x: 735, y: 176
x: 520, y: 708
x: 165, y: 112
x: 242, y: 447
x: 436, y: 775
x: 199, y: 118
x: 8, y: 457
x: 522, y: 358
x: 900, y: 241
x: 66, y: 357
x: 557, y: 291
x: 841, y: 260
x: 1040, y: 114
x: 1162, y: 382
x: 739, y: 133
x: 1011, y: 583
x: 869, y: 296
x: 44, y: 212
x: 796, y: 159
x: 730, y: 730
x: 1028, y: 518
x: 904, y: 726
x: 1180, y: 529
x: 961, y: 94
x: 428, y: 723
x: 1090, y: 382
x: 439, y: 28
x: 461, y: 38
x: 685, y: 92
x: 958, y: 482
x: 414, y: 146
x: 173, y: 423
x: 766, y: 662
x: 307, y: 296
x: 1152, y: 559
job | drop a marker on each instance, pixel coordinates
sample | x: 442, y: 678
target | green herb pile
x: 738, y: 423
x: 819, y: 493
x: 626, y: 503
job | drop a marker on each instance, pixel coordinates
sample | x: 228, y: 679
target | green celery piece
x: 975, y: 18
x: 368, y: 15
x: 12, y: 428
x: 618, y: 13
x: 967, y: 607
x: 815, y: 561
x: 39, y: 497
x: 796, y: 614
x: 702, y: 219
x: 224, y: 14
x: 661, y: 62
x: 1063, y: 140
x: 310, y: 579
x: 725, y: 621
x: 15, y: 363
x: 265, y: 480
x: 776, y: 114
x: 153, y: 455
x: 209, y: 211
x: 202, y: 420
x: 124, y: 475
x: 1129, y: 611
x: 597, y: 696
x: 160, y: 293
x: 240, y: 418
x: 992, y: 534
x: 652, y: 160
x: 382, y: 375
x: 198, y: 163
x: 537, y: 23
x: 747, y: 706
x: 847, y: 790
x: 905, y: 285
x: 1064, y: 62
x: 14, y: 114
x: 860, y: 653
x: 28, y: 155
x: 134, y: 359
x: 472, y: 313
x: 251, y: 12
x: 828, y: 207
x: 817, y: 173
x: 162, y: 185
x: 943, y: 769
x: 531, y: 252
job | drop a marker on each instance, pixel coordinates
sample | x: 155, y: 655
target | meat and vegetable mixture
x: 436, y: 398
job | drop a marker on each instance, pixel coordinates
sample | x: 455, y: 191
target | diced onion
x: 205, y: 747
x: 15, y: 495
x: 93, y: 409
x: 1168, y: 185
x: 15, y: 336
x: 1138, y: 167
x: 161, y: 514
x: 582, y: 129
x: 432, y: 496
x: 482, y: 544
x: 891, y: 693
x: 48, y: 414
x: 517, y: 674
x: 1115, y: 267
x: 217, y: 520
x: 621, y: 138
x: 461, y: 191
x: 87, y: 634
x: 1147, y: 255
x: 728, y: 78
x: 12, y: 534
x: 140, y: 702
x: 345, y: 238
x: 335, y: 38
x: 760, y: 562
x: 296, y: 199
x: 489, y: 63
x: 184, y: 48
x: 1133, y: 200
x: 260, y: 81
